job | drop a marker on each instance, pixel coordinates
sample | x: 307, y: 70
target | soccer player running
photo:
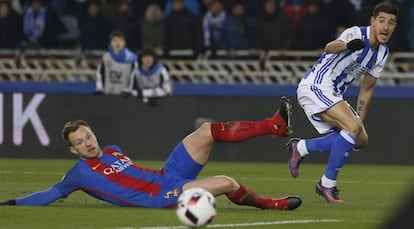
x: 358, y: 51
x: 110, y: 175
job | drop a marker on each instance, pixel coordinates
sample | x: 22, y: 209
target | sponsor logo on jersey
x: 96, y: 166
x: 355, y: 69
x: 118, y: 166
x: 349, y: 37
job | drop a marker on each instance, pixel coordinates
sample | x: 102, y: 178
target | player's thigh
x: 343, y: 117
x: 217, y: 185
x: 199, y: 143
x: 181, y: 164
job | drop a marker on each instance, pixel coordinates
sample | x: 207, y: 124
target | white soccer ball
x: 196, y: 207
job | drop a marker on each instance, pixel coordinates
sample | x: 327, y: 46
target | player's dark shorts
x: 180, y: 169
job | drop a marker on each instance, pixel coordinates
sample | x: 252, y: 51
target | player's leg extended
x: 239, y: 131
x: 351, y: 126
x: 241, y: 195
x: 299, y: 148
x: 199, y: 143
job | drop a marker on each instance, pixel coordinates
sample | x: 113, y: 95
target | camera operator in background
x: 117, y: 67
x: 152, y: 80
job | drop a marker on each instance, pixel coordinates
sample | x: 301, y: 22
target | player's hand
x: 8, y: 202
x: 355, y: 45
x: 125, y: 93
x: 138, y: 93
x: 98, y: 93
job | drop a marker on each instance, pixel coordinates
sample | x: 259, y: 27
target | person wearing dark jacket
x: 182, y: 29
x: 41, y: 26
x: 275, y: 32
x: 94, y: 28
x: 10, y: 27
x: 238, y: 30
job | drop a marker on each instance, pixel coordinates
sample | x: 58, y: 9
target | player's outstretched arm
x: 37, y: 199
x: 338, y: 46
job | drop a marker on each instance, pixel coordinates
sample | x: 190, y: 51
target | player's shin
x: 245, y: 196
x: 339, y: 154
x: 321, y: 144
x: 239, y: 131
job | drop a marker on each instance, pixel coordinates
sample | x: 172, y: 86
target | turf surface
x: 372, y: 193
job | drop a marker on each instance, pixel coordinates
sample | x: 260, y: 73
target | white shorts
x: 315, y: 99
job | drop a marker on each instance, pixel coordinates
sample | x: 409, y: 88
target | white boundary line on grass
x: 265, y: 179
x: 250, y: 224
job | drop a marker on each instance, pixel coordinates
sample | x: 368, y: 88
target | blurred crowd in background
x: 196, y: 25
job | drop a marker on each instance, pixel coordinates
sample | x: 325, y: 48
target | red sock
x: 239, y: 131
x: 245, y: 196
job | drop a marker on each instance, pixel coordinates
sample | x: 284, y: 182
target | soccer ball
x: 196, y: 207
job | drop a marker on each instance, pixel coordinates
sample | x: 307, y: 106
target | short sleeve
x: 381, y: 60
x: 350, y: 34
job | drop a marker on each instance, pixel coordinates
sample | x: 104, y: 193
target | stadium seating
x: 275, y: 67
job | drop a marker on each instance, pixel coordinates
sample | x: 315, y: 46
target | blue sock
x: 322, y: 144
x: 339, y: 153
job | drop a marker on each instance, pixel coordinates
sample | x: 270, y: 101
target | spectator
x: 152, y: 80
x: 77, y: 8
x: 411, y: 22
x: 212, y: 25
x: 255, y: 8
x: 126, y: 21
x: 205, y: 6
x: 274, y: 29
x: 296, y: 10
x: 363, y: 10
x: 238, y: 32
x: 152, y: 26
x: 17, y: 6
x: 192, y: 5
x: 400, y: 41
x: 110, y: 8
x: 182, y: 29
x: 313, y: 30
x: 10, y: 27
x: 140, y: 7
x: 41, y: 26
x: 340, y: 13
x: 94, y: 29
x: 117, y: 67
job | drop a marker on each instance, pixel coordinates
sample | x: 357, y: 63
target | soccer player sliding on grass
x: 359, y: 51
x: 110, y: 175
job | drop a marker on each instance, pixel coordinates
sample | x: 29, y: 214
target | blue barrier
x: 198, y: 89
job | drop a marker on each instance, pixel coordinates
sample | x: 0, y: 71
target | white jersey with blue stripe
x: 338, y: 71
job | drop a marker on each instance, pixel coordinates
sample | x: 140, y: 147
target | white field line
x: 254, y: 224
x: 264, y: 179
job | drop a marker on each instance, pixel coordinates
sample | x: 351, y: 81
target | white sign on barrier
x: 22, y: 116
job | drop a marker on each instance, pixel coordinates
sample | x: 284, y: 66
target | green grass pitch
x: 372, y: 193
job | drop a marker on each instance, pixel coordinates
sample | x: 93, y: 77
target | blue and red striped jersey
x: 114, y: 178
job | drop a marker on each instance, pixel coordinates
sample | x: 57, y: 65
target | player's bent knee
x: 354, y: 128
x: 205, y: 128
x: 361, y: 142
x: 227, y: 184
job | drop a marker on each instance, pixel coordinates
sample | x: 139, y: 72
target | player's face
x: 117, y: 43
x: 147, y: 61
x: 84, y: 143
x: 383, y: 26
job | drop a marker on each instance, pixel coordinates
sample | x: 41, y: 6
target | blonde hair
x: 71, y: 127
